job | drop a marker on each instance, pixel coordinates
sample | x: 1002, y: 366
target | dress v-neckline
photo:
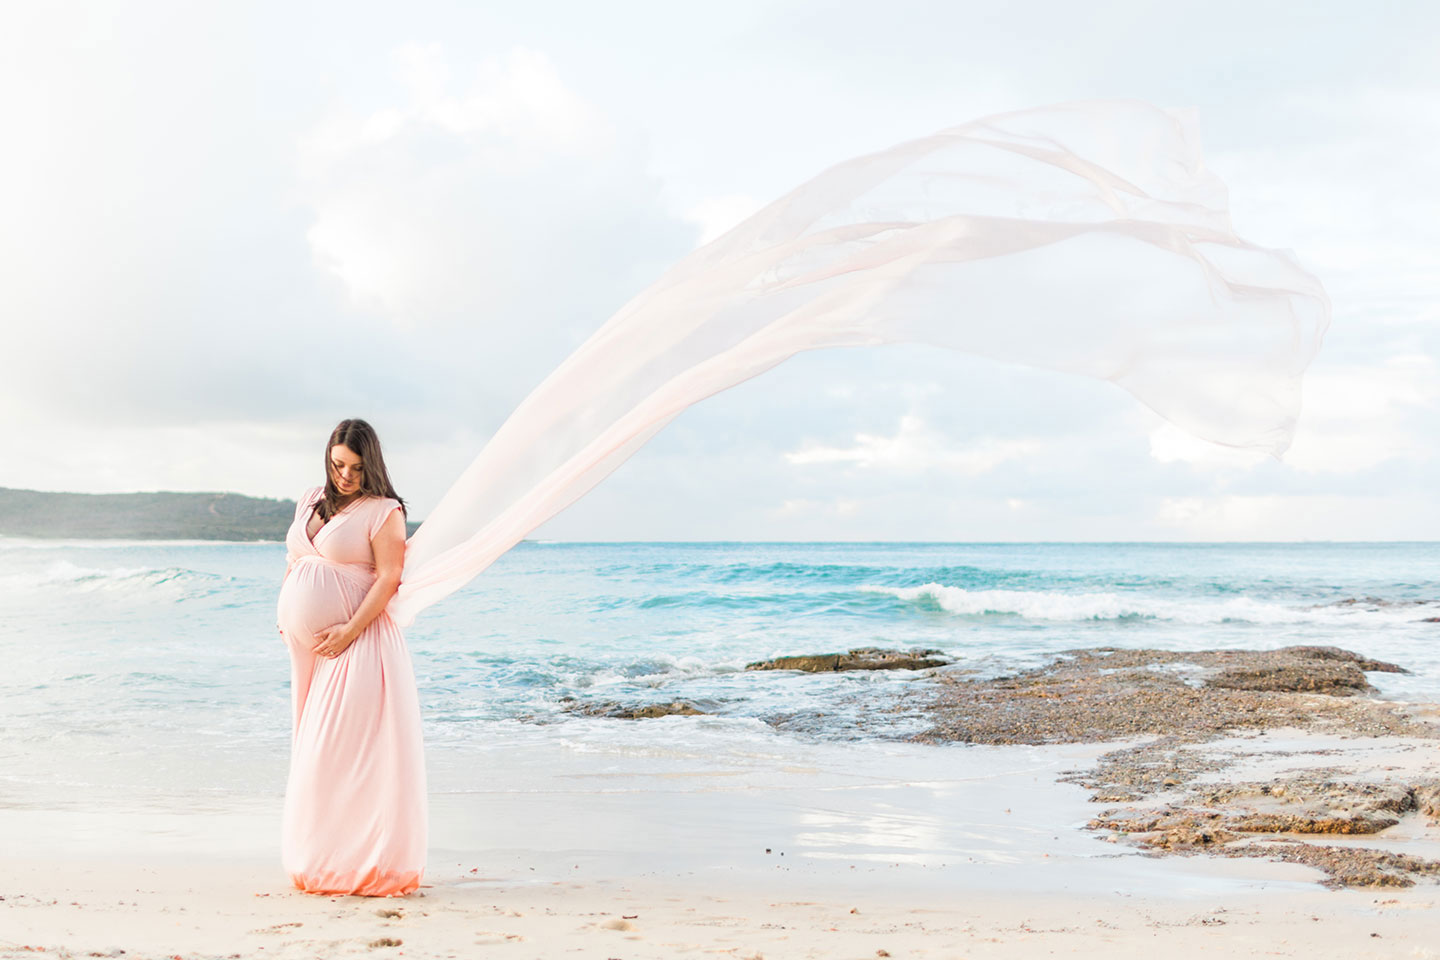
x: 328, y: 523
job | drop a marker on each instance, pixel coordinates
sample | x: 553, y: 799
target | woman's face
x: 345, y: 469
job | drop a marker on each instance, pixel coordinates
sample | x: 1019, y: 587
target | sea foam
x: 74, y: 577
x: 1065, y: 606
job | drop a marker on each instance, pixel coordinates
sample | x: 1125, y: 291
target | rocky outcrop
x: 1347, y: 866
x: 1342, y: 656
x: 861, y: 658
x: 1109, y: 694
x: 1427, y: 800
x: 616, y: 711
x: 1176, y: 799
x: 1301, y: 804
x: 1304, y: 670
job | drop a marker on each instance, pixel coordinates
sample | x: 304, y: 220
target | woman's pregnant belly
x: 314, y: 596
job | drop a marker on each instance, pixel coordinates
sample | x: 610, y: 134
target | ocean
x: 152, y: 673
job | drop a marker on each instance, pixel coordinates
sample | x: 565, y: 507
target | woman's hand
x: 333, y: 641
x: 389, y: 546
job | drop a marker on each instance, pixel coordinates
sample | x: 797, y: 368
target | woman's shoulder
x: 308, y: 498
x: 379, y: 509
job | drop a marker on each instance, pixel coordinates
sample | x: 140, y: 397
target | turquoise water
x: 152, y: 672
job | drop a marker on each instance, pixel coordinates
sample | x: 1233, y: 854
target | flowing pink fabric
x: 1085, y: 237
x: 355, y: 805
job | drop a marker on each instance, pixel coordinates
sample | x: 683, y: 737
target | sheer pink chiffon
x: 1087, y: 238
x: 1084, y: 237
x: 355, y: 804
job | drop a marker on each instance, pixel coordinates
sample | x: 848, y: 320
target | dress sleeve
x: 380, y: 513
x: 302, y: 506
x: 302, y: 515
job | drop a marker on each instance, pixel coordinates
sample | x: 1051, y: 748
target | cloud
x: 1355, y: 418
x: 412, y: 202
x: 419, y: 249
x: 227, y: 226
x: 1267, y: 517
x: 716, y: 215
x: 233, y: 456
x: 915, y: 448
x: 837, y: 507
x: 490, y: 214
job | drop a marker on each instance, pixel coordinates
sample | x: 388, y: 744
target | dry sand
x: 204, y: 910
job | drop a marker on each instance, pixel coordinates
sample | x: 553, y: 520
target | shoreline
x: 648, y: 841
x: 611, y: 880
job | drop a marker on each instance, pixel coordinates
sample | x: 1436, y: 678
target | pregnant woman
x: 355, y: 814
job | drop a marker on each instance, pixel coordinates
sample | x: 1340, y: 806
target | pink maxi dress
x: 355, y: 804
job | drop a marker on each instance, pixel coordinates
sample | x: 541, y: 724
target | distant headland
x: 144, y: 516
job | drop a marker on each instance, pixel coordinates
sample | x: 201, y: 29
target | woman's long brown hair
x: 360, y: 437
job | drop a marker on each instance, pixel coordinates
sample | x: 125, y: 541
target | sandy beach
x: 921, y: 851
x: 228, y: 909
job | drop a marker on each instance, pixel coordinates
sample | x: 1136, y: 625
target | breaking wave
x: 1056, y: 606
x: 64, y: 574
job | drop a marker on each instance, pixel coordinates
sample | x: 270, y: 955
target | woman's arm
x: 389, y: 547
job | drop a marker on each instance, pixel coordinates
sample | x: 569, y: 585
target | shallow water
x: 151, y: 674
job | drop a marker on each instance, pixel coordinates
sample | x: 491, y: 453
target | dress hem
x: 372, y: 884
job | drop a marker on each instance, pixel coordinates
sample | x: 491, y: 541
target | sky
x: 224, y: 227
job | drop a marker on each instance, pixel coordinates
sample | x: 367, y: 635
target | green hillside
x: 144, y: 516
